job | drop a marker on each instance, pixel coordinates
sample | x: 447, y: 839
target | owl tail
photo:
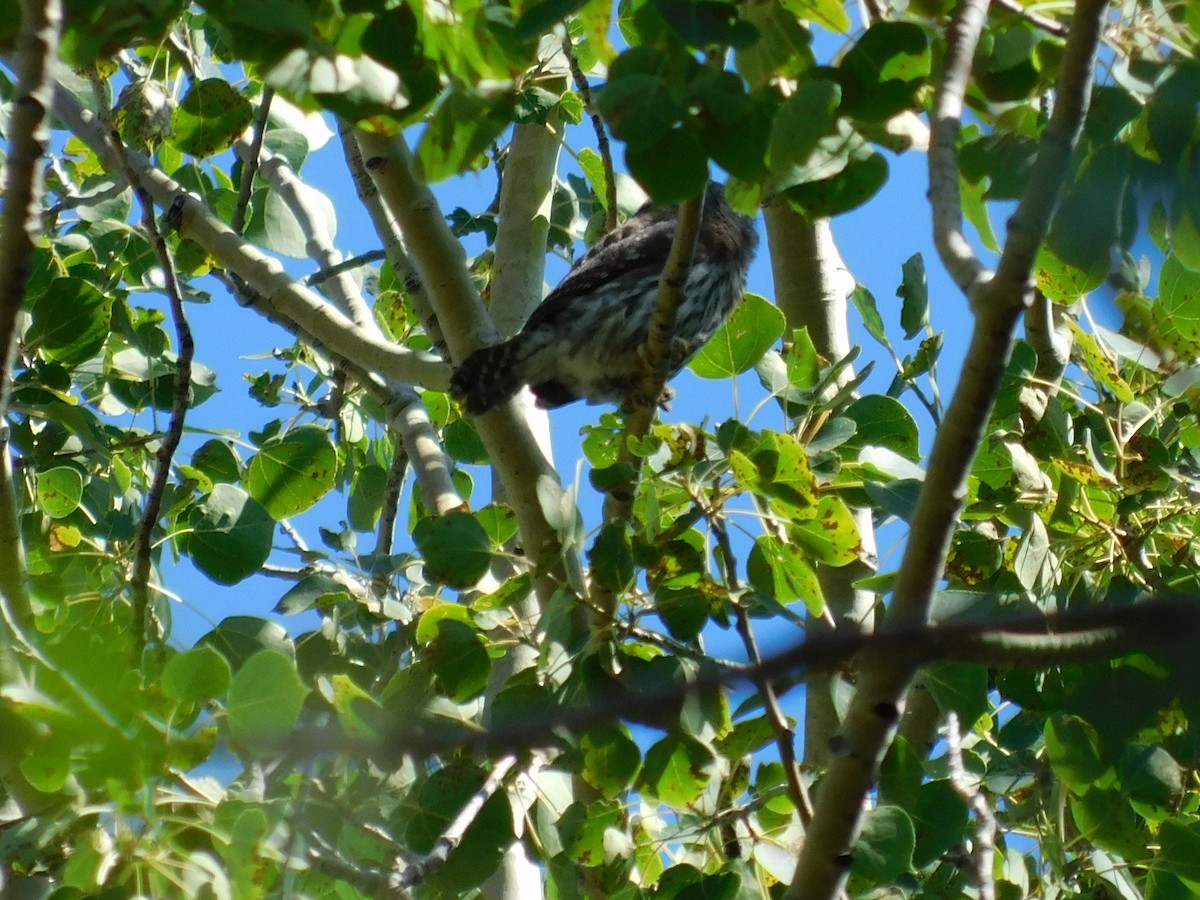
x: 489, y: 376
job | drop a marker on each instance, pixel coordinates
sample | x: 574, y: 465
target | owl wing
x: 637, y: 249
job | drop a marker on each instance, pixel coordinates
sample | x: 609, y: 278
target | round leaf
x: 230, y: 535
x: 196, y: 676
x: 293, y: 472
x: 59, y: 491
x: 211, y: 116
x: 455, y: 547
x: 265, y: 699
x: 753, y: 327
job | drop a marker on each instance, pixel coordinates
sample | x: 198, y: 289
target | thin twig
x: 656, y: 357
x: 345, y: 265
x: 385, y: 532
x: 1028, y: 641
x: 602, y: 144
x: 1056, y: 28
x: 962, y: 36
x: 139, y: 581
x: 985, y: 820
x: 250, y: 162
x: 411, y: 874
x: 785, y: 735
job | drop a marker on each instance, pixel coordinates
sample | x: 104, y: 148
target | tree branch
x: 657, y: 354
x: 28, y: 131
x: 962, y: 36
x: 527, y: 475
x: 602, y: 144
x: 985, y: 821
x: 823, y: 864
x: 1073, y: 637
x: 389, y: 233
x: 811, y: 288
x: 411, y: 874
x: 285, y: 299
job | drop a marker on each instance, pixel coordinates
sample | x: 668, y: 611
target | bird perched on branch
x: 586, y: 339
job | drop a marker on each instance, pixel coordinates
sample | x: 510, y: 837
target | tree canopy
x: 481, y: 683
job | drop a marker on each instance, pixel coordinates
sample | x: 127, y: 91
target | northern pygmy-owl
x: 585, y: 339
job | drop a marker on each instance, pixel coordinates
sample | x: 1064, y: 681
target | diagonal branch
x: 657, y: 354
x: 998, y: 302
x: 286, y: 300
x: 530, y: 482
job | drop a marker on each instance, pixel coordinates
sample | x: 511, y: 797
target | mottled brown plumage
x: 586, y: 338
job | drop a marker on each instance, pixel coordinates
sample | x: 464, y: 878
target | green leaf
x: 210, y: 117
x: 353, y: 87
x: 367, y: 490
x: 70, y: 321
x: 831, y: 536
x: 262, y: 31
x: 1176, y: 312
x: 462, y: 127
x: 237, y: 638
x: 540, y: 16
x: 784, y: 45
x: 593, y: 168
x: 1106, y: 820
x: 612, y: 560
x: 1152, y: 779
x: 1073, y: 750
x: 455, y: 547
x: 829, y: 13
x: 583, y: 828
x: 882, y: 421
x: 676, y: 769
x: 459, y: 661
x: 1099, y: 364
x: 960, y: 687
x: 914, y: 292
x: 637, y: 102
x: 885, y: 846
x: 804, y: 118
x: 611, y: 759
x: 683, y: 610
x: 842, y: 174
x: 883, y: 71
x: 673, y: 169
x: 196, y: 676
x: 217, y: 461
x: 291, y: 473
x: 1179, y: 851
x: 274, y: 225
x: 59, y: 491
x: 265, y: 699
x: 316, y: 591
x: 230, y: 536
x: 739, y: 344
x: 1063, y: 282
x: 939, y: 817
x: 781, y: 571
x: 864, y: 302
x: 704, y: 22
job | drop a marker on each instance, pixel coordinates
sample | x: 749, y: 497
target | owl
x: 586, y: 339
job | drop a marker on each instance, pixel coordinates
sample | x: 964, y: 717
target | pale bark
x: 811, y: 287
